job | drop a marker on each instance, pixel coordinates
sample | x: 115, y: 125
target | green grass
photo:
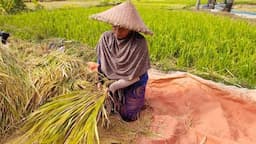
x: 184, y: 40
x: 204, y: 42
x: 70, y: 24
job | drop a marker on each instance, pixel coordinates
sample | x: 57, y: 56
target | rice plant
x: 54, y: 74
x: 15, y: 91
x: 196, y: 41
x: 70, y: 106
x: 69, y: 119
x: 184, y: 40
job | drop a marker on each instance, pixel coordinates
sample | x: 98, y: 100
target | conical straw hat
x: 123, y: 15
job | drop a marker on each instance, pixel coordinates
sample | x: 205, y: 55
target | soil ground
x: 63, y: 4
x: 245, y: 7
x: 121, y: 132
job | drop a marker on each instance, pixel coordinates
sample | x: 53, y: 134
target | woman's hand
x: 99, y: 86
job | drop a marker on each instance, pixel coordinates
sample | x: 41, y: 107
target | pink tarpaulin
x: 190, y: 110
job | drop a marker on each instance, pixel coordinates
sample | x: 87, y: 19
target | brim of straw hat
x: 123, y: 15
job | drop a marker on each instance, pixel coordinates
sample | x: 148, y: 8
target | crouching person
x: 123, y: 57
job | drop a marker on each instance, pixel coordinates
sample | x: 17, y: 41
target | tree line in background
x: 11, y: 6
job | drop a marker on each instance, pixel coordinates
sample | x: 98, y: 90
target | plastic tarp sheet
x: 187, y: 109
x: 190, y: 110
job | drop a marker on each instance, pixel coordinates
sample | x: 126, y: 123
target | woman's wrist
x: 121, y: 83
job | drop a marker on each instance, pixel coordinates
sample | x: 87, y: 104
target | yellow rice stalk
x: 68, y: 119
x: 15, y: 91
x: 54, y: 75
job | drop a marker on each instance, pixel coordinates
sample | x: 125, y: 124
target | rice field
x: 193, y: 41
x: 48, y: 80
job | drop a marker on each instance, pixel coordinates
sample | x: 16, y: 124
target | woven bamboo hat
x: 123, y: 15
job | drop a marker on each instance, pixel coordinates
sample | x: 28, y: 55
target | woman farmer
x: 123, y: 57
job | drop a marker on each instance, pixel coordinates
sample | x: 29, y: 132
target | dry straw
x: 60, y: 92
x: 70, y: 106
x: 15, y: 91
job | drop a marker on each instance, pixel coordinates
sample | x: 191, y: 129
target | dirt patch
x: 245, y: 7
x: 63, y: 4
x: 121, y: 132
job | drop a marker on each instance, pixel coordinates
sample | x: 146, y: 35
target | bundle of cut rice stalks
x: 15, y: 91
x: 70, y: 105
x: 60, y: 94
x: 68, y: 119
x: 55, y: 74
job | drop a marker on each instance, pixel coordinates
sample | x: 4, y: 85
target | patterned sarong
x: 132, y: 99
